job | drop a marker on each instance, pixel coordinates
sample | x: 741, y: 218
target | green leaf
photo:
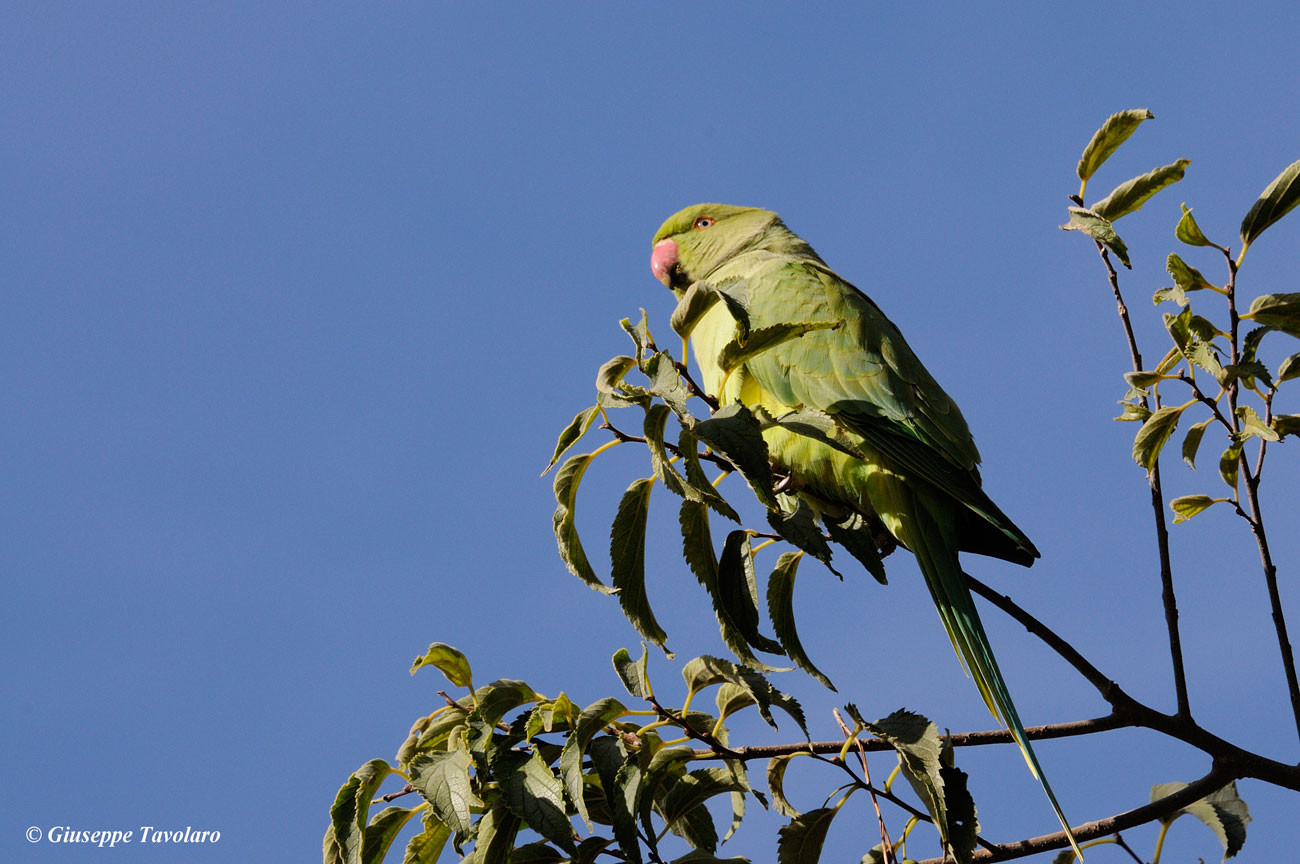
x: 963, y: 822
x: 612, y: 371
x: 1286, y: 424
x: 1132, y: 194
x: 346, y: 835
x: 706, y: 671
x: 776, y: 783
x: 556, y: 714
x: 496, y: 836
x: 1133, y: 411
x: 382, y: 831
x: 1142, y: 380
x: 1114, y: 132
x: 701, y: 296
x: 594, y: 718
x: 426, y: 847
x: 666, y: 383
x: 537, y: 853
x: 575, y: 430
x: 566, y: 531
x: 740, y: 350
x: 656, y: 416
x: 1289, y: 368
x: 699, y: 856
x: 1187, y: 506
x: 534, y: 794
x: 627, y: 560
x: 1099, y: 229
x: 451, y: 662
x: 1179, y: 296
x: 620, y: 778
x: 1192, y: 442
x: 685, y: 799
x: 735, y: 434
x: 442, y: 779
x: 640, y: 334
x: 1229, y: 463
x: 736, y: 602
x: 796, y: 523
x: 1185, y: 275
x: 1281, y: 311
x: 1253, y: 426
x: 1190, y: 233
x: 854, y: 532
x: 1154, y: 433
x: 732, y: 698
x: 1222, y: 811
x: 916, y: 740
x: 634, y: 674
x: 801, y: 841
x: 502, y: 695
x: 1278, y: 199
x: 698, y: 480
x: 780, y: 606
x: 818, y: 426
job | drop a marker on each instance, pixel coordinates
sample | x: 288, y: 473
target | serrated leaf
x: 1098, y: 228
x: 1246, y: 372
x: 731, y: 698
x: 495, y: 839
x: 1253, y: 426
x: 666, y: 383
x: 1190, y: 233
x: 504, y: 694
x: 1277, y: 199
x: 1204, y: 355
x: 685, y: 799
x: 1222, y: 811
x: 698, y: 480
x: 1176, y: 294
x: 734, y: 433
x: 798, y: 526
x: 1289, y: 368
x: 700, y: 297
x: 963, y: 821
x: 534, y: 794
x: 739, y: 351
x: 566, y: 531
x: 780, y: 607
x: 426, y: 847
x: 818, y: 426
x: 801, y: 841
x: 633, y: 673
x: 736, y: 603
x: 1153, y: 435
x: 1187, y: 506
x: 1114, y: 132
x: 620, y: 777
x: 705, y: 671
x: 1179, y: 327
x: 449, y: 661
x: 594, y: 718
x: 1186, y: 277
x: 442, y: 779
x: 1192, y: 442
x: 537, y: 853
x: 1281, y: 311
x: 699, y: 856
x: 916, y: 741
x: 854, y: 532
x: 349, y: 813
x: 1229, y: 463
x: 572, y: 433
x: 656, y: 416
x: 1132, y: 194
x: 627, y: 560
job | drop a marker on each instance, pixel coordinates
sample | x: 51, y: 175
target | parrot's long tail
x: 935, y: 548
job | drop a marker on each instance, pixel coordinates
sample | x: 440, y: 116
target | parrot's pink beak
x: 662, y: 259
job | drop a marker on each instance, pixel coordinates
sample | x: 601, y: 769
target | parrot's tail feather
x: 936, y: 553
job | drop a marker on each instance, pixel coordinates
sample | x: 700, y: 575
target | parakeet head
x: 696, y: 241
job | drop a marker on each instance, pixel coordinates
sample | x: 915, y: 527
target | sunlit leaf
x: 1286, y: 424
x: 1289, y: 368
x: 1187, y: 506
x: 426, y: 847
x: 442, y: 779
x: 1114, y: 132
x: 1151, y: 438
x: 1281, y: 311
x: 801, y: 841
x: 1277, y: 199
x: 1132, y: 194
x: 534, y: 794
x: 776, y: 767
x: 1253, y: 426
x: 612, y: 371
x: 566, y: 531
x: 449, y: 661
x: 1190, y: 233
x: 640, y: 333
x: 735, y: 434
x: 698, y: 480
x: 1192, y: 442
x: 594, y: 718
x: 1230, y: 464
x: 706, y: 671
x: 575, y: 430
x: 740, y: 351
x: 350, y: 812
x: 496, y: 836
x: 656, y: 416
x: 1133, y: 411
x: 1222, y: 811
x: 916, y: 740
x: 1098, y: 228
x: 1185, y: 275
x: 634, y: 674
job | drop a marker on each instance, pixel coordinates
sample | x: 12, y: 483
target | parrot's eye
x: 703, y: 222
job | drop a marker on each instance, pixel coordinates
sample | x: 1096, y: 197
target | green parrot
x: 920, y: 477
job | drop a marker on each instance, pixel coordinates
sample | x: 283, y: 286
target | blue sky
x: 298, y: 296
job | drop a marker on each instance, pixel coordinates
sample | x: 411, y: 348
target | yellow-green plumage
x: 920, y: 477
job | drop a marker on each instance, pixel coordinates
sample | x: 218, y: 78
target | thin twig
x: 886, y: 846
x: 1168, y: 598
